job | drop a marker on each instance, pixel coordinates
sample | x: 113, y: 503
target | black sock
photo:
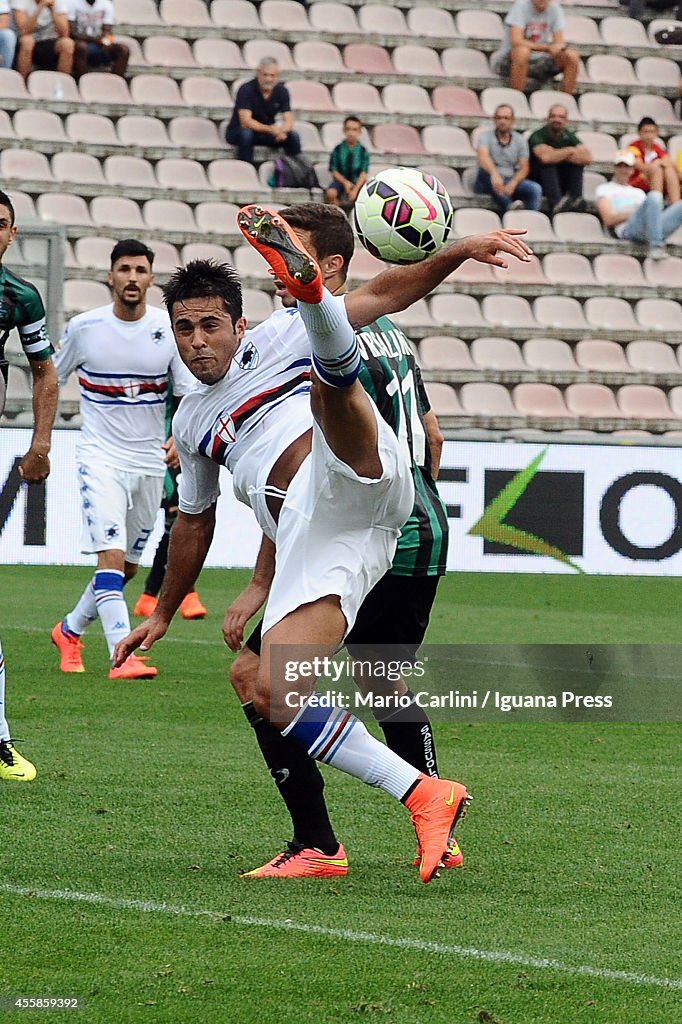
x: 299, y: 782
x: 152, y: 584
x: 408, y: 733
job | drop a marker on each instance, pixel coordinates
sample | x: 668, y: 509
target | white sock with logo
x: 336, y: 356
x: 4, y: 727
x: 111, y: 606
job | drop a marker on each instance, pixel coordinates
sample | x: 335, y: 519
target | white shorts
x: 119, y: 509
x: 337, y: 532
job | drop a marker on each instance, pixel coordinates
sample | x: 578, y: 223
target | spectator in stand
x: 534, y: 45
x: 349, y: 164
x: 557, y: 161
x: 262, y: 115
x: 653, y: 168
x: 628, y: 212
x: 8, y: 37
x: 44, y: 40
x: 504, y: 165
x: 91, y: 23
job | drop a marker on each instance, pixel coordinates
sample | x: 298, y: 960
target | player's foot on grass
x: 134, y: 667
x: 436, y: 806
x: 69, y: 646
x: 191, y: 607
x: 302, y: 862
x: 452, y: 858
x: 277, y: 243
x: 145, y: 606
x: 13, y: 765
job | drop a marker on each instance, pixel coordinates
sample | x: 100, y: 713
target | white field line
x: 372, y: 938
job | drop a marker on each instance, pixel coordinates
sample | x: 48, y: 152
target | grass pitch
x: 151, y: 796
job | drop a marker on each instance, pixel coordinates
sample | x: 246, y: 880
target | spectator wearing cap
x: 653, y: 168
x: 628, y: 212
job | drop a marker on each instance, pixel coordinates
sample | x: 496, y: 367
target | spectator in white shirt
x: 628, y: 212
x: 44, y: 40
x: 91, y: 23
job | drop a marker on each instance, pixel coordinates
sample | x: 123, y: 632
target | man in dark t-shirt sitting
x: 262, y: 115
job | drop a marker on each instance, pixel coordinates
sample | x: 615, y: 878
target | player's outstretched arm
x: 190, y: 540
x: 397, y: 288
x: 252, y: 598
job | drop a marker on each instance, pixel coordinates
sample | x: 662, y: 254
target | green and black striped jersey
x: 391, y: 376
x: 22, y: 307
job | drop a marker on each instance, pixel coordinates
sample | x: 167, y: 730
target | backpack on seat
x: 293, y: 172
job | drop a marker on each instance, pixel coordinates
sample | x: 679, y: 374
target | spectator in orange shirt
x: 653, y: 170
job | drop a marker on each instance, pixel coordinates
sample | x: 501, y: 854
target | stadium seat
x: 181, y: 174
x: 24, y: 164
x: 658, y: 107
x: 102, y: 87
x: 64, y: 208
x: 675, y: 400
x: 448, y: 140
x: 417, y: 60
x: 601, y: 145
x: 155, y: 91
x: 256, y: 49
x: 618, y: 270
x: 314, y: 55
x: 258, y: 305
x: 363, y: 266
x: 283, y: 16
x: 665, y: 273
x: 540, y: 400
x: 185, y: 13
x: 332, y: 133
x: 610, y: 314
x: 579, y: 227
x: 497, y: 354
x: 24, y: 207
x: 199, y: 91
x: 582, y: 30
x: 129, y: 172
x: 602, y: 106
x: 235, y: 14
x: 91, y: 129
x: 479, y: 24
x: 483, y: 398
x: 568, y: 268
x: 601, y: 356
x: 50, y: 85
x: 138, y: 130
x: 457, y: 311
x: 471, y: 220
x: 652, y: 357
x: 461, y: 62
x: 380, y: 19
x: 456, y: 101
x: 40, y: 126
x: 249, y: 263
x: 94, y: 253
x: 217, y: 218
x: 12, y: 85
x: 206, y: 251
x: 6, y: 126
x: 559, y: 312
x: 610, y: 69
x: 537, y: 225
x: 194, y: 133
x: 623, y: 33
x: 235, y: 175
x: 168, y: 52
x: 548, y: 354
x: 418, y: 315
x: 77, y: 169
x: 656, y: 72
x: 472, y: 272
x: 658, y: 315
x: 406, y: 99
x: 431, y: 22
x: 368, y: 59
x: 307, y: 95
x: 333, y: 18
x: 397, y: 138
x: 164, y: 215
x: 448, y: 177
x: 309, y: 134
x: 508, y: 311
x: 442, y: 353
x: 591, y: 182
x: 80, y: 295
x: 360, y: 97
x: 520, y: 273
x: 541, y: 101
x: 116, y: 212
x: 592, y: 401
x: 218, y: 53
x: 137, y: 12
x: 495, y: 95
x: 644, y: 402
x: 443, y: 399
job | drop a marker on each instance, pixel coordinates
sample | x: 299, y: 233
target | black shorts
x: 396, y: 612
x: 45, y: 54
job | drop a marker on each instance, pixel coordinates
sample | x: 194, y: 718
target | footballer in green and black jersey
x: 22, y: 307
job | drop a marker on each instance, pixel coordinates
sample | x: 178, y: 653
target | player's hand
x: 171, y: 458
x: 243, y: 608
x: 34, y: 467
x: 143, y: 637
x: 486, y: 248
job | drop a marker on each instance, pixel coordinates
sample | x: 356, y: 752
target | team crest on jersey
x: 132, y: 388
x: 249, y: 357
x: 158, y: 335
x: 224, y: 429
x: 111, y: 532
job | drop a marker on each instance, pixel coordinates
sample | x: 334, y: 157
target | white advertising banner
x: 512, y: 507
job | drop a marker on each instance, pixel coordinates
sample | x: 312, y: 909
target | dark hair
x: 351, y: 117
x: 645, y: 122
x: 6, y: 201
x: 131, y: 247
x: 329, y: 229
x: 202, y: 278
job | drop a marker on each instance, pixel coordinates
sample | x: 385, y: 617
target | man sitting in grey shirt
x: 504, y: 163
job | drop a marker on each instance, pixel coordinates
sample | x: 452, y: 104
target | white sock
x: 336, y: 355
x: 4, y: 727
x: 336, y: 737
x: 84, y: 613
x: 111, y: 606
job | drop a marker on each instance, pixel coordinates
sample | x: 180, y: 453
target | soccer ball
x: 402, y: 215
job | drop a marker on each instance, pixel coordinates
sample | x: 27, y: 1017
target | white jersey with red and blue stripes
x: 125, y: 372
x: 247, y: 419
